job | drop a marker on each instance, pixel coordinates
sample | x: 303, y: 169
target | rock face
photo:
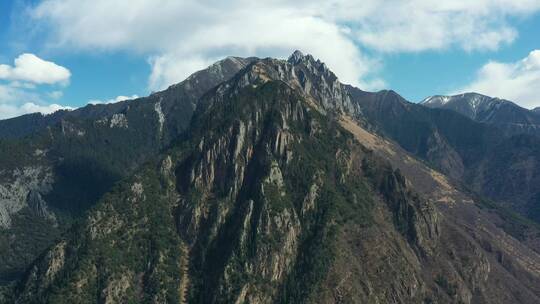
x: 280, y: 189
x: 27, y: 225
x: 23, y: 188
x: 118, y: 121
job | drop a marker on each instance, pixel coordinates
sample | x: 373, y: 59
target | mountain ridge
x: 278, y: 185
x: 506, y: 115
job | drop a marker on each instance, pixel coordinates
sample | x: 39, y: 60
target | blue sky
x: 102, y: 51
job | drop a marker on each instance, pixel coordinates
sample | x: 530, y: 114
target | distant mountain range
x: 269, y: 181
x: 505, y: 114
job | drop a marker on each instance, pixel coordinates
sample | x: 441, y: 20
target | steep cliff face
x: 21, y: 188
x: 56, y: 167
x: 277, y: 193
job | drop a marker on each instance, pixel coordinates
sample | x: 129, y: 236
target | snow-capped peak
x: 437, y: 99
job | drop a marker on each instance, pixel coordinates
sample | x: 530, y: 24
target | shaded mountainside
x: 279, y: 190
x: 181, y: 97
x: 506, y: 115
x: 59, y: 165
x: 505, y: 168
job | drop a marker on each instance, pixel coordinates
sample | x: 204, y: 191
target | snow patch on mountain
x: 161, y: 116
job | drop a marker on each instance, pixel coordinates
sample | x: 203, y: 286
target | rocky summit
x: 268, y: 181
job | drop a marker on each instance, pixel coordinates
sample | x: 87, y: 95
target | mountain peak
x: 440, y: 100
x: 296, y: 57
x: 487, y: 109
x: 301, y: 72
x: 473, y: 102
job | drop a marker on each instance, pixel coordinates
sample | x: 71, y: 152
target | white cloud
x: 113, y: 100
x: 516, y: 81
x: 419, y: 25
x: 30, y: 68
x: 18, y: 94
x: 326, y: 41
x: 22, y: 85
x: 180, y: 37
x: 183, y: 36
x: 13, y: 94
x: 15, y: 102
x: 9, y: 110
x: 171, y: 68
x: 55, y: 94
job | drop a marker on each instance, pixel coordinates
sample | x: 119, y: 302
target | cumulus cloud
x: 180, y: 37
x: 419, y: 25
x: 326, y: 41
x: 112, y: 100
x: 10, y: 110
x: 18, y: 91
x: 22, y: 85
x: 188, y: 35
x: 55, y: 94
x: 15, y: 102
x: 30, y: 68
x: 516, y: 81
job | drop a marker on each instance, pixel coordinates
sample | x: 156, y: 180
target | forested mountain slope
x: 282, y: 185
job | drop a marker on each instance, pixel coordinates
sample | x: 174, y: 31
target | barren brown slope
x: 508, y: 251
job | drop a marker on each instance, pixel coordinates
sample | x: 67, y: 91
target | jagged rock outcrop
x: 22, y: 188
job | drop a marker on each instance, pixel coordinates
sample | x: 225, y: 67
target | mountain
x: 55, y: 167
x: 277, y: 185
x: 536, y: 110
x: 505, y: 114
x: 504, y: 167
x: 183, y: 95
